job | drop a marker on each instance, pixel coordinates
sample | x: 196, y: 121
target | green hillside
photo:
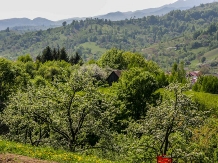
x: 177, y: 36
x: 46, y: 153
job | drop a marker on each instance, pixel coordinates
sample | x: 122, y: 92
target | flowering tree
x: 171, y: 124
x: 69, y: 112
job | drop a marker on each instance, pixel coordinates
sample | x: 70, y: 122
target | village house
x: 113, y: 77
x: 193, y: 75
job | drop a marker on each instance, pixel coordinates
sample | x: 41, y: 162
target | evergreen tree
x: 55, y: 54
x: 47, y: 54
x: 63, y: 55
x: 75, y: 59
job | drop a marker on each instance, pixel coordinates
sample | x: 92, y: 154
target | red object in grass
x: 164, y: 159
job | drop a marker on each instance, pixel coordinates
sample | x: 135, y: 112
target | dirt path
x: 12, y: 158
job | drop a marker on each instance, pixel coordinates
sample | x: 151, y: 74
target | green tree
x: 64, y: 23
x: 63, y: 55
x: 70, y: 113
x: 203, y: 59
x: 51, y: 69
x: 8, y: 74
x: 55, y: 54
x: 113, y: 59
x: 12, y: 78
x: 171, y: 124
x: 118, y: 59
x: 75, y: 59
x: 136, y: 88
x: 207, y: 84
x: 25, y: 58
x: 46, y: 55
x: 178, y: 73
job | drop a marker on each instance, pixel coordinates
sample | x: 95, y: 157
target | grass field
x: 206, y: 101
x: 94, y: 47
x: 47, y: 153
x: 211, y: 55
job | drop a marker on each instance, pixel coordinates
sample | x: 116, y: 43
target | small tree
x: 64, y: 23
x: 203, y: 59
x: 172, y: 121
x: 25, y: 58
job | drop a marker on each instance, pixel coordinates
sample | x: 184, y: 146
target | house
x: 113, y: 77
x: 193, y: 75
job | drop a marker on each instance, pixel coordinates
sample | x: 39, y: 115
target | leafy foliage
x: 171, y: 123
x: 69, y: 106
x: 136, y: 88
x: 69, y: 113
x: 207, y: 84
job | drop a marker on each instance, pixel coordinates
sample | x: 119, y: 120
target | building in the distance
x: 114, y: 76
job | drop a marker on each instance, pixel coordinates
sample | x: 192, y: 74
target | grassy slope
x: 95, y: 48
x: 46, y: 153
x: 207, y: 101
x: 211, y: 55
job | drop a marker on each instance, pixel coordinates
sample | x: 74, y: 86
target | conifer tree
x: 47, y: 54
x: 63, y: 55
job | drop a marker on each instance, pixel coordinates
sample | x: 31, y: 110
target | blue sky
x: 61, y: 9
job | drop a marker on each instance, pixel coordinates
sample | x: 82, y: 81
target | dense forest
x: 70, y: 106
x: 179, y: 35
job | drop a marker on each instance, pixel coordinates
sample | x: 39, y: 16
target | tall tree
x: 178, y: 73
x: 47, y: 54
x: 8, y: 74
x: 55, y: 54
x: 136, y: 88
x: 75, y: 59
x: 63, y: 55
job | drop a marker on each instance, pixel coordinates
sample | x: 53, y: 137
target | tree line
x: 54, y: 54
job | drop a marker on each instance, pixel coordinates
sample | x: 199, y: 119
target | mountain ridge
x: 113, y: 16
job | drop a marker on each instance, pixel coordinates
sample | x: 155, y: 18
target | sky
x: 62, y: 9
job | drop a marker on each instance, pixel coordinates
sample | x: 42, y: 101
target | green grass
x: 107, y: 90
x: 213, y: 54
x: 198, y: 50
x: 46, y: 153
x: 207, y: 101
x: 94, y: 47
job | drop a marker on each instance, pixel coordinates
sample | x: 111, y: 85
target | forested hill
x: 153, y: 36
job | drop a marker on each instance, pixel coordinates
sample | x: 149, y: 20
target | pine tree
x: 63, y: 55
x: 47, y: 54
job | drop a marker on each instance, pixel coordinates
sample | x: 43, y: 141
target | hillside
x: 11, y: 152
x: 166, y: 39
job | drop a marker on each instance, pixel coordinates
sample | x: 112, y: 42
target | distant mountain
x: 114, y: 16
x: 178, y: 5
x: 16, y: 22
